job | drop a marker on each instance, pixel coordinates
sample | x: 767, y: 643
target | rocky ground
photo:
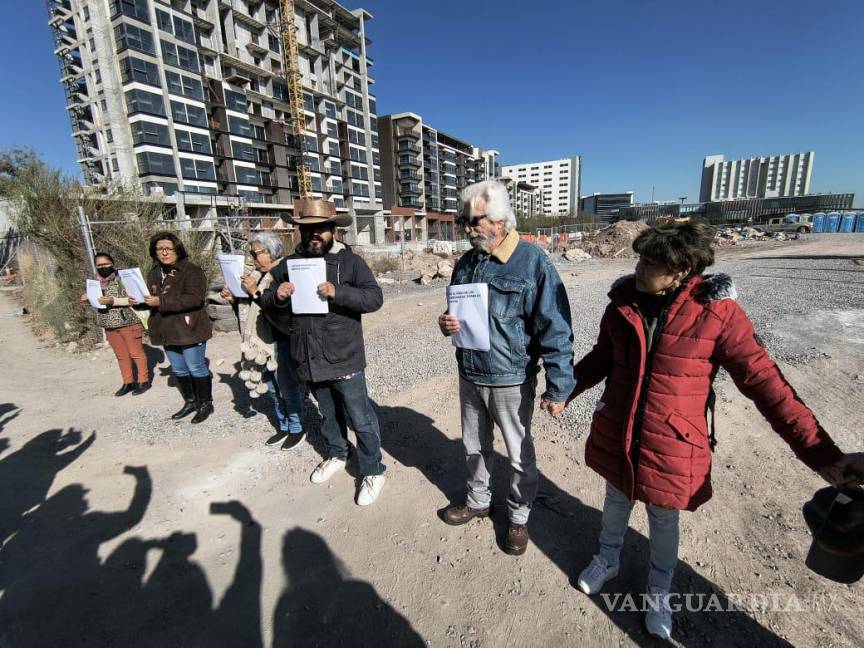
x: 97, y: 555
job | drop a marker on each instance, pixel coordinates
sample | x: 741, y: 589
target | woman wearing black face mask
x: 122, y: 326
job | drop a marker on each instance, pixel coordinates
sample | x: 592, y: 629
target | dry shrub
x: 45, y: 213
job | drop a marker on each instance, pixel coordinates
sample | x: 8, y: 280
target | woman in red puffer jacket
x: 663, y: 337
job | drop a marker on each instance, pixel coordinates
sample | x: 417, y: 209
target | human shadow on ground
x: 323, y: 606
x: 565, y: 530
x: 155, y: 357
x: 26, y: 475
x: 57, y: 591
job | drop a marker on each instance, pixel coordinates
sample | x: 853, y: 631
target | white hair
x: 270, y: 241
x: 497, y: 201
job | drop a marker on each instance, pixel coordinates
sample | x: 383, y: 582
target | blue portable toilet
x: 819, y: 222
x: 791, y: 218
x: 832, y: 222
x: 847, y: 223
x: 859, y: 226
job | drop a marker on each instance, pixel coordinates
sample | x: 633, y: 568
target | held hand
x: 284, y: 291
x: 152, y: 301
x: 133, y: 301
x: 106, y: 301
x: 84, y: 297
x: 555, y: 409
x: 448, y: 324
x: 249, y: 284
x: 226, y: 295
x: 233, y: 509
x: 327, y: 290
x: 848, y: 472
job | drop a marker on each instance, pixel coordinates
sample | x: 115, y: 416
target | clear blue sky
x: 641, y: 89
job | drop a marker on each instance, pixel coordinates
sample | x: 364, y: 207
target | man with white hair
x: 529, y: 319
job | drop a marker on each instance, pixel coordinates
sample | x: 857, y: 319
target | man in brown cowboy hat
x: 328, y: 349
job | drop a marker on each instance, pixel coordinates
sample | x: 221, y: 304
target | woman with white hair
x: 259, y: 368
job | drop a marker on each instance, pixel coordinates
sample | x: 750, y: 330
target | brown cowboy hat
x: 313, y: 212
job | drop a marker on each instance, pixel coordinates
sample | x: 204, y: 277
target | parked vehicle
x: 789, y: 224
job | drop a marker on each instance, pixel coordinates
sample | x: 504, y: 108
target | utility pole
x: 85, y: 235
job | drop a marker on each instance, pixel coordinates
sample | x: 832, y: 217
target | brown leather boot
x: 456, y: 515
x: 517, y: 539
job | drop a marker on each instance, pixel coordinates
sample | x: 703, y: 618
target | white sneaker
x: 369, y: 489
x: 593, y: 577
x: 326, y: 469
x: 658, y: 619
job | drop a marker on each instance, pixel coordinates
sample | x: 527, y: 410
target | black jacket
x: 326, y: 347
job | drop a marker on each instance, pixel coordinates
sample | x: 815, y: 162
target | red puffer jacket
x: 649, y: 436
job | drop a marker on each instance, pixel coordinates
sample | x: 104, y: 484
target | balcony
x: 408, y: 148
x: 239, y: 11
x: 255, y: 48
x: 409, y: 190
x: 409, y: 161
x: 199, y: 17
x: 410, y: 175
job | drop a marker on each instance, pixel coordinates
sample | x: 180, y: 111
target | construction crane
x: 288, y: 31
x: 306, y: 205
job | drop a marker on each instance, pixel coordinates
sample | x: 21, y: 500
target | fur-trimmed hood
x: 705, y: 288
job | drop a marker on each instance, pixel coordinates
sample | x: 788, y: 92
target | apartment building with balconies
x: 424, y: 169
x: 188, y: 98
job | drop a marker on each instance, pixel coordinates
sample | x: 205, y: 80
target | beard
x: 316, y: 245
x: 480, y: 242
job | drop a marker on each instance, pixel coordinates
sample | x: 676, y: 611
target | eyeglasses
x: 165, y: 249
x: 256, y: 253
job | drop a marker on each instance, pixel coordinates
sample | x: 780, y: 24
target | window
x: 313, y: 163
x: 163, y: 20
x: 193, y: 142
x: 184, y: 86
x: 258, y: 132
x: 356, y: 137
x: 358, y: 155
x: 316, y: 184
x: 333, y: 149
x: 243, y: 151
x: 146, y: 102
x: 86, y: 12
x: 330, y: 109
x: 336, y: 185
x: 355, y: 119
x: 239, y: 126
x: 359, y: 189
x: 235, y: 101
x: 273, y: 43
x: 332, y: 130
x: 359, y: 173
x: 308, y: 102
x: 197, y: 169
x: 133, y: 69
x: 144, y: 132
x: 184, y: 30
x: 179, y: 56
x: 132, y: 8
x: 375, y: 143
x: 155, y: 164
x: 129, y: 36
x: 109, y: 135
x: 245, y: 175
x: 335, y: 169
x: 186, y: 114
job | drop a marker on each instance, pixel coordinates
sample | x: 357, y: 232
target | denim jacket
x: 529, y: 319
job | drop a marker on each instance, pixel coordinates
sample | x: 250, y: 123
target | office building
x: 777, y: 176
x: 604, y: 205
x: 558, y: 180
x: 188, y: 99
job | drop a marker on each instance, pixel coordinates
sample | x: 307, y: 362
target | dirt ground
x: 214, y: 538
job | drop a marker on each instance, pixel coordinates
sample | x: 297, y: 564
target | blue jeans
x: 662, y: 536
x: 188, y: 360
x: 347, y: 400
x: 285, y: 390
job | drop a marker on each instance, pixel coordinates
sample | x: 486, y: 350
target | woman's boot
x: 187, y: 389
x: 204, y: 396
